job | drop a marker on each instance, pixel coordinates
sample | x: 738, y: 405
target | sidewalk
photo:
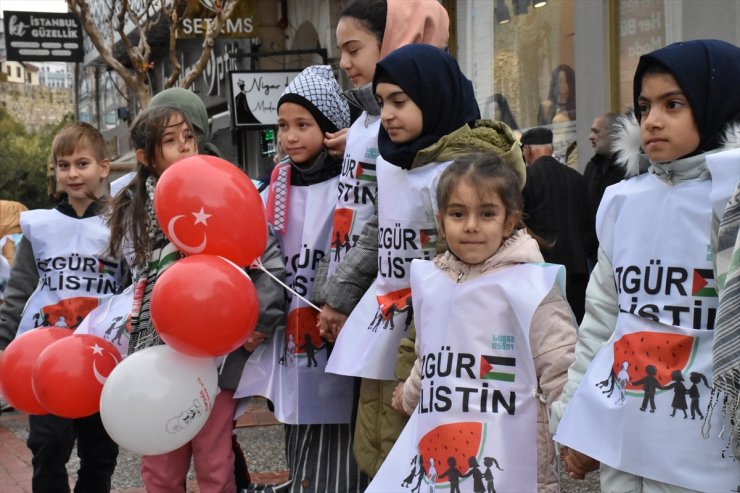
x: 15, y: 458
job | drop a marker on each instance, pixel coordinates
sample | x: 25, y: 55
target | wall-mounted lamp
x: 539, y: 3
x: 501, y: 12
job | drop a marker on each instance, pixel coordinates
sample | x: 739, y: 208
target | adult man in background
x: 602, y: 170
x: 556, y: 209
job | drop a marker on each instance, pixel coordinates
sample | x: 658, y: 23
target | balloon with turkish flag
x: 69, y: 375
x: 207, y: 205
x: 16, y: 367
x: 204, y: 305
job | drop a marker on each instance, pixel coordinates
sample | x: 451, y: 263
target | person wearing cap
x: 315, y: 406
x: 556, y: 209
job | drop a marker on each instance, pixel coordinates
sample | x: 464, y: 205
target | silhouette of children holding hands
x: 310, y: 348
x: 488, y: 474
x: 422, y: 473
x: 410, y: 478
x: 478, y: 486
x: 649, y: 385
x: 679, y: 393
x: 454, y: 474
x: 695, y: 378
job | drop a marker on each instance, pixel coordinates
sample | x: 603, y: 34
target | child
x: 314, y: 405
x: 161, y: 136
x: 506, y: 332
x: 52, y: 270
x: 367, y: 31
x: 652, y: 288
x: 429, y: 116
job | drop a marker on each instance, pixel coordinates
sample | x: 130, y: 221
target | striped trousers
x: 320, y: 460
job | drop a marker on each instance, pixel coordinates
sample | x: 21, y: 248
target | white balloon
x: 157, y: 399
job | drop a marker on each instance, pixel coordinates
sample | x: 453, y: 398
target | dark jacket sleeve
x: 271, y: 294
x: 24, y: 279
x: 271, y: 305
x: 356, y: 272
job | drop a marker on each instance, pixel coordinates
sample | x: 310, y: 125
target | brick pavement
x: 15, y: 458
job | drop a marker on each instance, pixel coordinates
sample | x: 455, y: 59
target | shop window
x: 534, y: 68
x: 642, y: 29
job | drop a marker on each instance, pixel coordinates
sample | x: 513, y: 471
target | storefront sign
x: 42, y: 37
x: 254, y: 96
x: 200, y: 13
x: 641, y: 30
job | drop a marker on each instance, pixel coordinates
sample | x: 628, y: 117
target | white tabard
x: 479, y: 403
x: 111, y: 320
x: 640, y: 406
x: 75, y: 275
x: 289, y: 368
x: 407, y: 230
x: 357, y: 187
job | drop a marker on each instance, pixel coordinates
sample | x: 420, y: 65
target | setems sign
x: 42, y: 37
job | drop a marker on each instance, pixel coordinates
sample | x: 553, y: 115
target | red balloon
x: 68, y: 376
x: 207, y: 205
x: 16, y: 367
x: 204, y: 306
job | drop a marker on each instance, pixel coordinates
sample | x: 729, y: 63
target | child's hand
x: 330, y: 322
x: 397, y: 399
x: 336, y: 142
x: 254, y: 340
x: 576, y: 463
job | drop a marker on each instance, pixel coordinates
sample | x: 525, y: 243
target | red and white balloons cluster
x: 203, y: 306
x: 51, y: 371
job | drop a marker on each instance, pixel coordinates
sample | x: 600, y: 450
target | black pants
x: 575, y: 292
x: 51, y: 440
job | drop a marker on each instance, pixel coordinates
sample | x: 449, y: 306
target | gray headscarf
x: 195, y: 111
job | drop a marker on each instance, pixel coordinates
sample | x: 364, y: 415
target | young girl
x: 60, y: 274
x: 315, y: 406
x: 505, y: 331
x: 161, y: 136
x: 652, y: 289
x: 367, y: 31
x: 429, y: 117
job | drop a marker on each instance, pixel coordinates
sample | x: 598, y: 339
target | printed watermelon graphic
x: 69, y: 312
x: 343, y: 219
x: 459, y: 440
x: 667, y: 352
x: 394, y: 302
x: 302, y: 321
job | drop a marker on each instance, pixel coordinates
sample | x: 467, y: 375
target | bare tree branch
x: 82, y: 10
x: 213, y: 31
x: 122, y: 25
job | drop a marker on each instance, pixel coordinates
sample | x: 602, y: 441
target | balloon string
x: 223, y: 364
x: 258, y: 263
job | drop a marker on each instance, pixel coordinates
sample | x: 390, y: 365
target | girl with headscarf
x: 652, y: 290
x: 446, y: 124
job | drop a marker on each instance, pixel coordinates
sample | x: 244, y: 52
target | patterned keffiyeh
x: 726, y: 355
x: 162, y: 255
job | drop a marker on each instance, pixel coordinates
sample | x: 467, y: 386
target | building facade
x: 549, y: 62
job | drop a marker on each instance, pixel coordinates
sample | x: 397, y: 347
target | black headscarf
x: 708, y: 72
x: 433, y: 80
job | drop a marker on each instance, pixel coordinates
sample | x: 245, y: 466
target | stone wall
x: 36, y: 106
